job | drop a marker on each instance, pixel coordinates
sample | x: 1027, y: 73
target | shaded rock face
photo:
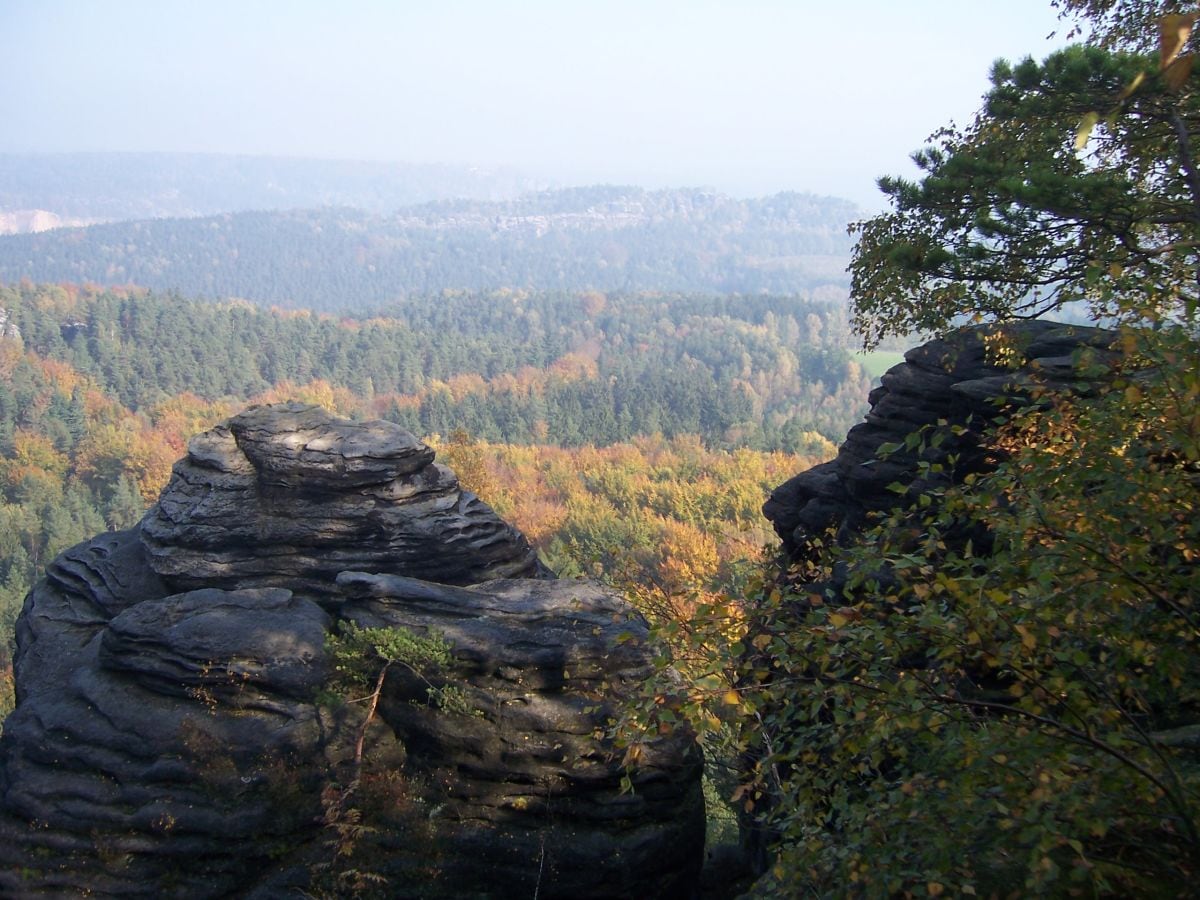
x: 525, y: 778
x: 957, y: 381
x: 168, y: 740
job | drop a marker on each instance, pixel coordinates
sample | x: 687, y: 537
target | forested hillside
x: 638, y: 433
x: 120, y: 186
x: 762, y: 372
x: 601, y: 238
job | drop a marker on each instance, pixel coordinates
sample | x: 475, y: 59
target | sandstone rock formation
x: 285, y: 495
x: 171, y: 738
x: 962, y: 381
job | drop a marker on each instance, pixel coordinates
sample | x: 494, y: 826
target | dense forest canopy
x: 339, y: 259
x: 510, y: 366
x: 465, y: 305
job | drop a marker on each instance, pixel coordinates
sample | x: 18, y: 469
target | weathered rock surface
x: 153, y: 762
x: 957, y: 381
x: 288, y: 496
x: 168, y: 740
x: 543, y: 664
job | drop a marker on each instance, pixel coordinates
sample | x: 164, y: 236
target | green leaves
x: 1015, y: 720
x: 1072, y: 184
x: 1003, y: 721
x: 361, y: 655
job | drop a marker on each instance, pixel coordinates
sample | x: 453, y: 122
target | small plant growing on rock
x: 361, y: 659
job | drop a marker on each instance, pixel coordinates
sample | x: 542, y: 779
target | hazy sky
x: 748, y: 96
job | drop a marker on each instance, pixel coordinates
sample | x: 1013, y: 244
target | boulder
x: 158, y: 765
x: 523, y: 777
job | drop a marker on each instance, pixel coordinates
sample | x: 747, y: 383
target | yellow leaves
x: 731, y: 698
x: 747, y: 792
x: 32, y: 454
x: 129, y: 447
x: 466, y: 457
x: 633, y: 753
x: 1178, y: 72
x: 1028, y: 638
x: 1176, y: 68
x: 1084, y: 131
x: 844, y: 615
x: 1132, y: 87
x: 689, y: 558
x: 1174, y: 31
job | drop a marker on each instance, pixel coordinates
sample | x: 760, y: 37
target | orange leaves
x: 466, y: 458
x: 574, y: 367
x: 461, y: 386
x: 130, y: 448
x: 1084, y: 132
x: 34, y: 451
x: 62, y: 375
x: 318, y: 391
x: 688, y: 556
x: 184, y: 415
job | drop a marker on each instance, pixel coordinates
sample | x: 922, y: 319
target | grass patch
x: 876, y: 362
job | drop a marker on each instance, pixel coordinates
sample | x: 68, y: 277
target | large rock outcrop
x: 955, y: 386
x: 171, y: 737
x: 526, y: 779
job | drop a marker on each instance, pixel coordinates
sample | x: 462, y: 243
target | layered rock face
x: 525, y: 778
x: 285, y: 495
x: 955, y: 387
x: 168, y: 740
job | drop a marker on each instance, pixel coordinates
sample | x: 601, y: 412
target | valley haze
x: 747, y: 98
